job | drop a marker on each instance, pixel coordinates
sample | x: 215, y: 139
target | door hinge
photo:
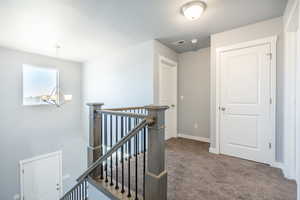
x: 270, y: 145
x: 23, y: 171
x: 270, y: 55
x: 271, y: 100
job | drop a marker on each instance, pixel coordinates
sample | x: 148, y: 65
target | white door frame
x: 41, y: 157
x: 292, y: 94
x: 269, y: 40
x: 290, y: 113
x: 175, y: 64
x: 292, y: 130
x: 298, y: 116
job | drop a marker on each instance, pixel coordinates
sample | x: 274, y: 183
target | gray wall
x: 247, y: 33
x: 124, y: 78
x: 194, y: 86
x: 26, y: 131
x: 120, y: 79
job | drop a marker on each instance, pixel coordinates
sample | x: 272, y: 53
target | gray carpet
x: 196, y: 174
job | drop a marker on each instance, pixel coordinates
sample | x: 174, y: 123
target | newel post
x: 95, y: 135
x: 156, y: 174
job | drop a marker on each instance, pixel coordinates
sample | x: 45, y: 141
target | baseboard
x: 213, y: 150
x: 283, y: 168
x: 298, y: 186
x: 278, y: 165
x: 191, y: 137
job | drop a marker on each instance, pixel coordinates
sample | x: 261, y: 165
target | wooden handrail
x: 126, y: 108
x: 134, y: 130
x: 124, y: 114
x: 130, y: 135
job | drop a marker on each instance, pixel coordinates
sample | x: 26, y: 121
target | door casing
x: 174, y: 64
x: 272, y: 42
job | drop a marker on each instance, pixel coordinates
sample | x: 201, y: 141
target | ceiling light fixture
x: 194, y: 41
x: 57, y: 97
x: 193, y: 10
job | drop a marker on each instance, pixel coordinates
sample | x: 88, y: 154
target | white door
x: 41, y: 178
x: 168, y: 94
x: 245, y: 119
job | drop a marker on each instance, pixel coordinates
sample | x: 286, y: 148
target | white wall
x: 194, y: 86
x: 27, y: 131
x: 125, y: 78
x: 120, y: 79
x: 247, y: 33
x: 292, y: 94
x: 298, y: 115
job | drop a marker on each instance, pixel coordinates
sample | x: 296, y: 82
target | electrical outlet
x: 181, y: 98
x: 196, y: 125
x: 66, y: 176
x: 16, y: 197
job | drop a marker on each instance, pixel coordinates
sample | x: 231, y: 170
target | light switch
x: 16, y: 197
x: 195, y: 125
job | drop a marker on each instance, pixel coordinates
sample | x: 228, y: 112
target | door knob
x: 173, y: 106
x: 222, y: 108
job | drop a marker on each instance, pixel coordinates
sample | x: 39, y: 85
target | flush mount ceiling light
x: 193, y: 10
x: 194, y: 41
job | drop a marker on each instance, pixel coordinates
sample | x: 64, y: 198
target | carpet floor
x: 196, y: 174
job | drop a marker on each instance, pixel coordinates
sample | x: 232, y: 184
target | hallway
x: 196, y: 174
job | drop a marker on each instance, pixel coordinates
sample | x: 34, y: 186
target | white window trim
x: 57, y: 84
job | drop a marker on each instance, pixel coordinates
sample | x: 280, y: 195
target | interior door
x: 41, y: 178
x: 168, y: 95
x: 245, y: 120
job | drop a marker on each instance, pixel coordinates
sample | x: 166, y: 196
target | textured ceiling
x: 88, y: 28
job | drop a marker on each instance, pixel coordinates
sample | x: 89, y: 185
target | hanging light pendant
x: 56, y: 97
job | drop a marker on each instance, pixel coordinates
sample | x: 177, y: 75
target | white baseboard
x: 192, y: 137
x: 213, y: 150
x: 298, y: 186
x: 278, y: 165
x: 283, y: 168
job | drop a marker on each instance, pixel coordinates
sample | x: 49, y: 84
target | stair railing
x: 78, y: 192
x: 121, y: 137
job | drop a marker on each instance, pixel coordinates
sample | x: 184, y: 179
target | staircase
x: 126, y: 154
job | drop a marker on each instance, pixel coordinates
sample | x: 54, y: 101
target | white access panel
x: 41, y: 177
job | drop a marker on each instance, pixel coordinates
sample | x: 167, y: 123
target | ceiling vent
x: 179, y: 43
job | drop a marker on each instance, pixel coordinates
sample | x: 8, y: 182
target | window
x: 38, y: 82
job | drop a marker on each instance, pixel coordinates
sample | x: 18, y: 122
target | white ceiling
x: 88, y: 28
